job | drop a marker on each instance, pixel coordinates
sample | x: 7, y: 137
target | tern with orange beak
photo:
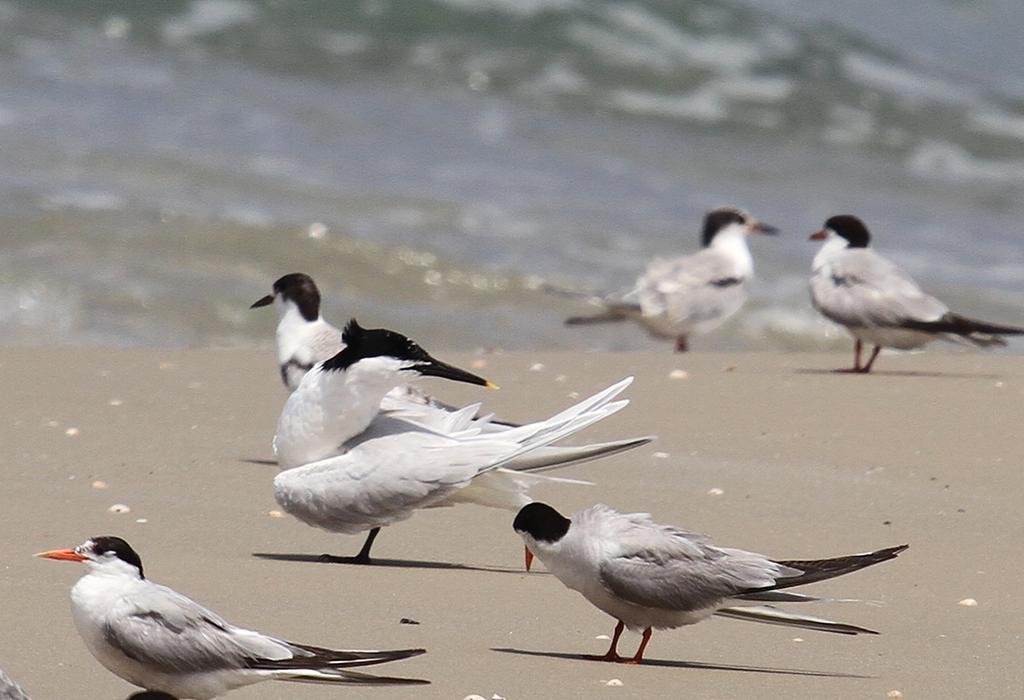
x: 879, y: 303
x: 694, y: 294
x: 157, y: 639
x: 649, y: 576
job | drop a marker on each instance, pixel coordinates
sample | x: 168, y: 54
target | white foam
x: 207, y: 17
x: 516, y: 8
x: 901, y: 82
x: 941, y: 160
x: 703, y: 104
x: 997, y: 123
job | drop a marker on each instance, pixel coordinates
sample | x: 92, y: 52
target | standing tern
x: 649, y: 576
x: 694, y: 294
x: 879, y: 303
x: 157, y: 639
x: 398, y: 465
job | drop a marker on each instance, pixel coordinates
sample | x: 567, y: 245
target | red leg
x: 643, y: 645
x: 682, y: 344
x: 613, y: 654
x: 856, y: 369
x: 871, y: 360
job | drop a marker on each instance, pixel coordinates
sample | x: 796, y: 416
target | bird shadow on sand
x: 260, y: 462
x: 388, y: 563
x: 151, y: 695
x: 695, y: 665
x: 896, y: 373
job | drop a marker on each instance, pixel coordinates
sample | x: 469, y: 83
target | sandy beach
x: 769, y: 452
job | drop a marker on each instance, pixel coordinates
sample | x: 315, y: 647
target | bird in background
x: 159, y: 640
x: 879, y: 303
x: 392, y: 463
x: 650, y: 576
x: 690, y: 295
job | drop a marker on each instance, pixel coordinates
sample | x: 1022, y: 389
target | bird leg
x: 643, y: 645
x: 364, y: 554
x: 856, y: 369
x: 871, y: 360
x: 613, y: 654
x: 682, y: 344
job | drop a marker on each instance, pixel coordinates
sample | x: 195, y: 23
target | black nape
x: 851, y: 228
x: 121, y: 549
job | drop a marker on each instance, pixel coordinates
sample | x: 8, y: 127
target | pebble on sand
x: 613, y: 683
x: 275, y: 513
x: 72, y: 432
x: 968, y: 603
x: 894, y: 694
x: 115, y: 402
x: 100, y: 484
x: 715, y: 491
x: 678, y: 374
x: 119, y: 508
x: 537, y: 367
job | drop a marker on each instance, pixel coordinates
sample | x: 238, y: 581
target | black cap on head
x: 851, y: 228
x: 121, y: 549
x: 299, y: 288
x: 717, y: 219
x: 542, y: 522
x: 362, y: 343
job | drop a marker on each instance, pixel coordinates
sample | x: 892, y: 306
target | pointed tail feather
x: 313, y: 658
x: 556, y: 456
x: 347, y: 677
x: 822, y: 569
x: 978, y: 332
x: 773, y: 616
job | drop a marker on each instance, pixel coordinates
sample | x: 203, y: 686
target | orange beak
x: 62, y: 554
x: 819, y: 235
x: 528, y: 557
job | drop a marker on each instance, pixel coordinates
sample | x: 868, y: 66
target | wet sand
x: 768, y: 452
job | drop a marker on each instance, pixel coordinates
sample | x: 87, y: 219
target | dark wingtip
x: 352, y: 332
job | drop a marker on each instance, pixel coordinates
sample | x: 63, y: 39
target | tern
x: 650, y: 576
x: 397, y: 462
x: 879, y: 303
x: 159, y: 640
x: 691, y: 295
x: 9, y: 688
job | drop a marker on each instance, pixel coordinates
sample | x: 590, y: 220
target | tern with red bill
x: 157, y: 639
x: 690, y: 295
x: 650, y: 576
x: 879, y: 303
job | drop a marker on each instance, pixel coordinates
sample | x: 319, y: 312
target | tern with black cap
x: 880, y: 304
x: 157, y: 639
x: 691, y: 295
x: 650, y: 576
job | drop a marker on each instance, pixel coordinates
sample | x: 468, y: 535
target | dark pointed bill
x: 263, y: 301
x: 435, y: 368
x: 766, y: 229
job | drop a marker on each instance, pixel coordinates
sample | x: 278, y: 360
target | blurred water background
x: 429, y: 162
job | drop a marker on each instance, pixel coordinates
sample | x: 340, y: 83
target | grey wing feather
x: 10, y: 690
x: 663, y: 567
x: 693, y: 288
x: 172, y: 633
x: 863, y: 289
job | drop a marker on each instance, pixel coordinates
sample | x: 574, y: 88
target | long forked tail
x: 978, y: 332
x: 556, y: 456
x: 821, y: 569
x: 773, y: 616
x: 311, y: 664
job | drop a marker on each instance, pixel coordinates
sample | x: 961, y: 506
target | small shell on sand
x: 142, y: 521
x: 275, y: 513
x: 968, y: 603
x: 100, y: 485
x: 715, y: 491
x: 52, y: 424
x: 894, y: 694
x: 115, y: 402
x: 679, y: 374
x: 119, y: 508
x: 613, y: 683
x: 604, y: 637
x: 798, y: 639
x: 660, y: 455
x: 474, y: 697
x: 537, y: 367
x: 72, y: 432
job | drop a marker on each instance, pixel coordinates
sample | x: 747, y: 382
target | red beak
x: 62, y: 554
x: 819, y: 235
x: 528, y: 556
